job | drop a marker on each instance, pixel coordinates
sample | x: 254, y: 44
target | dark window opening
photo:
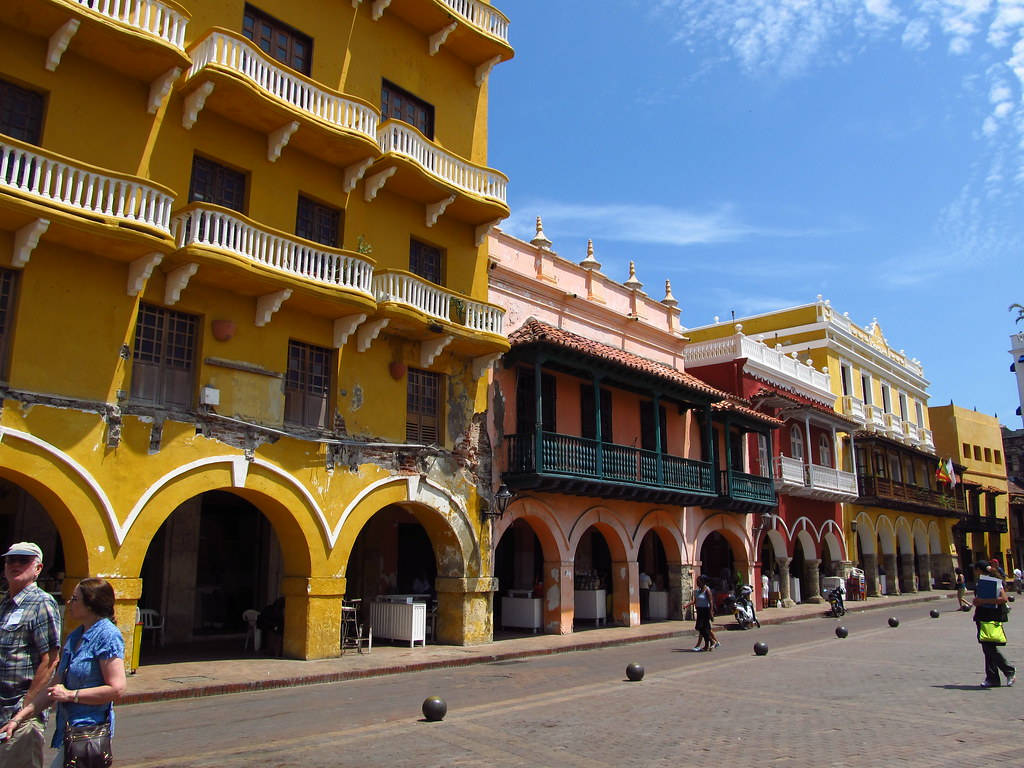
x: 647, y: 426
x: 319, y: 223
x: 526, y: 402
x: 217, y: 184
x: 426, y: 261
x: 8, y: 279
x: 21, y: 112
x: 163, y: 364
x: 402, y: 105
x: 423, y: 407
x: 307, y: 385
x: 278, y: 40
x: 588, y: 422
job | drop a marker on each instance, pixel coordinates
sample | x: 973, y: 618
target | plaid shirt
x: 29, y: 627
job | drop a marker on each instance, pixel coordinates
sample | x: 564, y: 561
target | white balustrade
x: 48, y: 178
x: 852, y: 407
x: 926, y: 439
x: 788, y: 470
x: 481, y: 16
x: 402, y: 139
x: 240, y: 55
x: 911, y: 432
x: 738, y: 345
x: 831, y: 479
x: 434, y: 301
x: 874, y: 418
x: 229, y: 232
x: 149, y: 16
x: 894, y: 425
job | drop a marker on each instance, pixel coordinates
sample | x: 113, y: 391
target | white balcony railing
x: 926, y: 439
x: 831, y: 479
x: 852, y: 407
x: 78, y: 188
x: 241, y: 56
x: 231, y: 232
x: 789, y: 471
x: 402, y: 139
x: 481, y: 16
x: 894, y: 425
x: 435, y: 301
x: 911, y: 432
x: 149, y: 16
x: 738, y: 345
x: 874, y: 419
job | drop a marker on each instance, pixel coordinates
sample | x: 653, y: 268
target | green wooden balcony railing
x: 744, y: 487
x: 580, y: 457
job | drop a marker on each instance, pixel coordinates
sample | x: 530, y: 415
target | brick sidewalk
x: 159, y: 682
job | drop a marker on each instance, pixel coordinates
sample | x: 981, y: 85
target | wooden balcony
x: 586, y: 467
x: 743, y: 492
x: 981, y: 524
x: 234, y: 78
x: 881, y: 492
x: 143, y: 39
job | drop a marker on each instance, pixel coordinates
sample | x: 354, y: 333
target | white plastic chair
x: 152, y: 620
x: 253, y: 634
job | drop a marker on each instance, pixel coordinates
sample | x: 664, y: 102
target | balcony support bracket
x: 25, y: 241
x: 354, y: 173
x: 437, y: 39
x: 278, y: 140
x: 59, y: 42
x: 344, y: 327
x: 485, y: 69
x: 375, y: 183
x: 270, y: 303
x: 194, y: 104
x: 378, y: 8
x: 140, y: 270
x: 177, y: 280
x: 435, y: 210
x: 481, y: 231
x: 431, y: 348
x: 483, y: 362
x: 368, y: 332
x: 160, y: 87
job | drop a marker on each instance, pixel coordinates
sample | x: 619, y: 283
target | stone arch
x: 807, y: 541
x: 664, y: 525
x: 920, y: 535
x: 904, y: 536
x: 886, y: 535
x: 610, y: 525
x: 539, y: 516
x: 934, y: 539
x: 737, y: 537
x: 867, y: 536
x: 832, y: 542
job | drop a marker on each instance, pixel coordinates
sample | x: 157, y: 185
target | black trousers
x: 994, y: 662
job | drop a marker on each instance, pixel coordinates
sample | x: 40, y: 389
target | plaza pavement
x: 250, y: 672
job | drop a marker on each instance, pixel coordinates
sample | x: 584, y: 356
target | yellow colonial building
x: 900, y: 527
x: 975, y: 441
x: 243, y: 316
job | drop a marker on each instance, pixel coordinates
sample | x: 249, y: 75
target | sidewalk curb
x: 483, y: 657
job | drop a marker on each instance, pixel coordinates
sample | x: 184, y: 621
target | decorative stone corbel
x: 368, y: 332
x: 239, y: 470
x: 345, y: 327
x: 270, y: 303
x: 480, y: 234
x: 160, y: 87
x: 25, y: 241
x: 278, y: 140
x: 431, y: 348
x: 485, y: 69
x: 378, y: 8
x: 59, y: 42
x: 375, y: 183
x: 194, y: 104
x: 437, y: 39
x: 177, y: 280
x: 139, y: 271
x: 434, y: 210
x: 482, y: 363
x: 354, y: 173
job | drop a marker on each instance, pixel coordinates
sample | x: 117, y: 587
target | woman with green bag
x: 990, y: 615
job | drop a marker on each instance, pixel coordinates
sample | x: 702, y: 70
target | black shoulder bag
x: 86, y: 746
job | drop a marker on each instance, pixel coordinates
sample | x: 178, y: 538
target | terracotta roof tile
x: 733, y: 406
x: 804, y: 401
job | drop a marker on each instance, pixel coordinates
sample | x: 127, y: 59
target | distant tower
x: 1017, y: 350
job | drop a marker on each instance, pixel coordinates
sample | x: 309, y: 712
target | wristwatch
x: 76, y: 696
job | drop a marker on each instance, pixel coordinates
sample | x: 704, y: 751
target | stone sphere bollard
x: 934, y: 613
x: 434, y: 708
x: 893, y: 621
x: 634, y: 672
x: 842, y: 632
x: 761, y: 649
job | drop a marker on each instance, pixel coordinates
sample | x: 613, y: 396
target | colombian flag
x: 942, y: 474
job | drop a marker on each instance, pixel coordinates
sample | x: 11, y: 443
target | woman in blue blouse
x: 91, y: 670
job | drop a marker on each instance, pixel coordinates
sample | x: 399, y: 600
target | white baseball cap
x: 25, y: 548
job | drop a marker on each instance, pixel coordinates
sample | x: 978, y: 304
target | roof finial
x: 540, y: 239
x: 669, y: 300
x: 632, y: 283
x: 590, y: 262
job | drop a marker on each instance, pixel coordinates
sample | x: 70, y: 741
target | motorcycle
x: 835, y: 602
x: 742, y: 607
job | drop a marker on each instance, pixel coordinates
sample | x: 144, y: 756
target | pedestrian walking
x: 961, y: 589
x: 1017, y: 580
x: 990, y: 616
x: 704, y: 606
x: 29, y: 649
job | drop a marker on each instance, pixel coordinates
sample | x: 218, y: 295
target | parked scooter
x: 835, y: 602
x: 742, y: 607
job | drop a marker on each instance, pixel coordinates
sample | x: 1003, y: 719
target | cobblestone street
x: 907, y: 696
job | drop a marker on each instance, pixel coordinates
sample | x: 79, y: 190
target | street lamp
x: 502, y: 498
x: 766, y: 523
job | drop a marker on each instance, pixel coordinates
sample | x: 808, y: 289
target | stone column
x: 782, y: 563
x: 558, y: 597
x: 892, y: 574
x: 126, y: 599
x: 465, y: 610
x: 680, y: 589
x: 842, y: 568
x: 626, y: 592
x: 312, y: 616
x: 907, y: 581
x: 810, y: 587
x: 871, y: 582
x: 924, y: 576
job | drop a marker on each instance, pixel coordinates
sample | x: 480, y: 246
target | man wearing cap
x: 29, y: 650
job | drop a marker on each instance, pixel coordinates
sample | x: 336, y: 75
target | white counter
x: 591, y: 604
x: 657, y: 605
x: 525, y: 612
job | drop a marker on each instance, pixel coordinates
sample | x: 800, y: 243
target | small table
x: 657, y: 604
x: 522, y: 612
x: 591, y: 604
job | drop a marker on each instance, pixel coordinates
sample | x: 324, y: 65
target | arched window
x: 796, y: 442
x: 825, y: 450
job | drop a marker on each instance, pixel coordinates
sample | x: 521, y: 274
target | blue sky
x: 758, y: 153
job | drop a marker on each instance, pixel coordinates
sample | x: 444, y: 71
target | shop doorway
x: 796, y: 571
x: 519, y: 568
x: 23, y: 518
x: 652, y: 561
x: 593, y: 578
x: 718, y: 564
x: 392, y: 555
